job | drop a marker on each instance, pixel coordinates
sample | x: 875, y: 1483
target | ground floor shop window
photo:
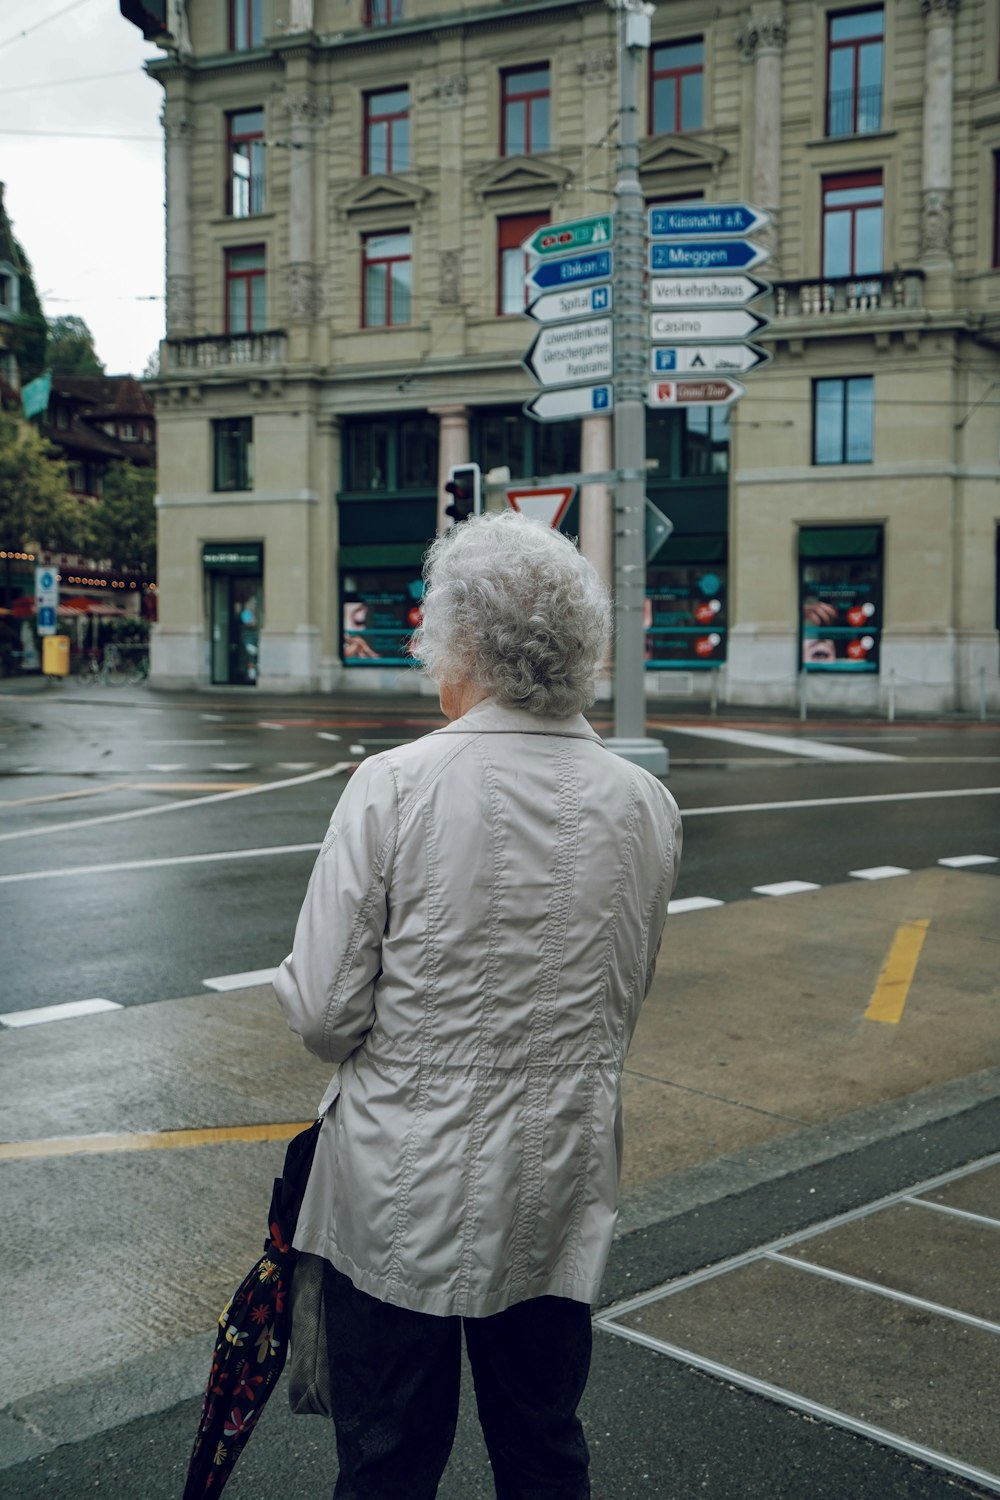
x: 840, y: 598
x: 505, y: 436
x: 380, y: 610
x: 685, y: 607
x: 234, y: 575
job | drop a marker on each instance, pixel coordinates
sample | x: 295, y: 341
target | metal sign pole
x: 631, y: 378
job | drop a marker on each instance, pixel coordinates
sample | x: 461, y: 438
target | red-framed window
x: 852, y: 224
x: 387, y: 279
x: 677, y: 87
x: 246, y: 289
x: 524, y: 111
x: 245, y: 163
x: 383, y: 12
x: 512, y: 262
x: 996, y: 210
x: 246, y: 24
x: 855, y: 43
x: 387, y: 132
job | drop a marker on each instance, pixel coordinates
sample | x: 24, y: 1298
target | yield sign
x: 547, y: 503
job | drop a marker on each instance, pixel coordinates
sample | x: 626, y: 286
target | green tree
x: 36, y: 506
x: 123, y: 526
x: 71, y: 347
x: 30, y: 333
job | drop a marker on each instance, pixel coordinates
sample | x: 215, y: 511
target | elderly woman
x: 479, y: 932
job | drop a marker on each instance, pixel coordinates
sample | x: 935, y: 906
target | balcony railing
x: 223, y: 351
x: 817, y: 297
x: 854, y: 111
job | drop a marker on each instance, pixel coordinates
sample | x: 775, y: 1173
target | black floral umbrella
x: 252, y: 1344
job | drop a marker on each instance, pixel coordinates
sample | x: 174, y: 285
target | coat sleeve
x: 326, y: 985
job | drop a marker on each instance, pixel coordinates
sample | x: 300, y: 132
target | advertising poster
x: 685, y: 616
x: 841, y: 616
x: 380, y: 612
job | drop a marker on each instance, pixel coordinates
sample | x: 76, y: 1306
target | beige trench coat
x: 479, y: 932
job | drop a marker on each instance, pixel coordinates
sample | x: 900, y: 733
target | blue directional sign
x: 708, y: 255
x: 713, y: 220
x: 571, y: 270
x: 46, y: 618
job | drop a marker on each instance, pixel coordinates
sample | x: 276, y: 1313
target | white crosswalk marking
x: 692, y: 903
x: 785, y: 888
x: 960, y: 861
x: 65, y: 1012
x: 878, y: 872
x: 240, y: 981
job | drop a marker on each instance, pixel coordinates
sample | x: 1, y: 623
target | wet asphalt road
x: 141, y: 903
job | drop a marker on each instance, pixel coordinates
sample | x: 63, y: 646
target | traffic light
x: 149, y: 15
x: 466, y: 491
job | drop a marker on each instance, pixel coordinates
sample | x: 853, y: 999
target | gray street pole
x: 630, y: 740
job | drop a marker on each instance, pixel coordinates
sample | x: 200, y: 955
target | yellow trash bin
x: 55, y: 655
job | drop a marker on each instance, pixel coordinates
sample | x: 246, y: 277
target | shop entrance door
x: 236, y: 603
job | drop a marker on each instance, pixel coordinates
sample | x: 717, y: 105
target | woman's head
x: 512, y: 608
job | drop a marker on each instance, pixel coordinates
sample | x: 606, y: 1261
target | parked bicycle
x: 113, y: 668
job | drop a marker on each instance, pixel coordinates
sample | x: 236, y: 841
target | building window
x: 840, y: 598
x: 6, y: 290
x: 524, y: 125
x: 996, y: 210
x: 387, y: 132
x: 232, y: 443
x: 706, y: 441
x: 246, y: 290
x: 852, y: 224
x: 246, y: 24
x: 391, y: 454
x: 843, y: 420
x: 854, y: 72
x: 387, y: 279
x: 512, y: 262
x: 504, y: 435
x: 245, y: 163
x: 383, y: 12
x: 676, y: 87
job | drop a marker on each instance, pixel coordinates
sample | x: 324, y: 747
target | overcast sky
x: 83, y: 166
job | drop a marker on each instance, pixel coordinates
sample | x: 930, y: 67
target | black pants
x: 395, y: 1374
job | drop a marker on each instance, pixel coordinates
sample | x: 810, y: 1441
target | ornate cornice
x: 381, y: 193
x: 762, y: 34
x: 940, y: 10
x: 519, y: 174
x: 451, y: 90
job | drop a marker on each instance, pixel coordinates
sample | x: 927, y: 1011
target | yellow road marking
x: 152, y: 1140
x: 893, y: 985
x: 94, y: 791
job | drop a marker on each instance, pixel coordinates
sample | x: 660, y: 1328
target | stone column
x: 595, y: 499
x: 453, y: 448
x: 178, y: 132
x: 939, y: 91
x: 761, y: 43
x: 304, y: 113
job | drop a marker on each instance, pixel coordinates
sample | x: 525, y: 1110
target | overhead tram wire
x: 26, y: 30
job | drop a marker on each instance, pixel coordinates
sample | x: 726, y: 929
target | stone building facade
x: 348, y: 185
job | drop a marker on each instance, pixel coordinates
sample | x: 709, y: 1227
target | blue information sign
x: 709, y: 255
x: 570, y: 270
x: 713, y: 220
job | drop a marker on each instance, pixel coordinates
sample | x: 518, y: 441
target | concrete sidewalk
x: 760, y: 1101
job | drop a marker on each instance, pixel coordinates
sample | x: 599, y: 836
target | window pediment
x: 518, y: 175
x: 376, y: 193
x: 662, y: 155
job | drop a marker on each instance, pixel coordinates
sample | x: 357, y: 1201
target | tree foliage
x: 123, y: 526
x: 37, y: 509
x: 71, y: 347
x: 29, y: 334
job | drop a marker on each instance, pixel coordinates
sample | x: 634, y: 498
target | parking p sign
x: 46, y: 599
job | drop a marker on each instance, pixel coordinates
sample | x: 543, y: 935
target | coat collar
x: 491, y: 717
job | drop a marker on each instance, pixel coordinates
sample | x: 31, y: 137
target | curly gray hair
x: 511, y: 606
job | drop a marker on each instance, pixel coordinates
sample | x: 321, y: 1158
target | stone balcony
x: 844, y: 298
x: 223, y: 351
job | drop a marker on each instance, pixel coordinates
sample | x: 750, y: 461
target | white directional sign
x: 705, y: 291
x: 686, y: 221
x: 718, y: 391
x: 46, y: 600
x: 571, y: 353
x: 571, y: 401
x: 546, y: 503
x: 558, y: 307
x: 738, y: 359
x: 693, y: 325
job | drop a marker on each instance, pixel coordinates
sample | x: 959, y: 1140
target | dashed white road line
x: 878, y: 872
x: 179, y: 765
x: 745, y: 807
x: 959, y: 861
x: 785, y: 888
x: 267, y: 724
x: 159, y: 864
x: 178, y: 743
x: 295, y: 765
x: 356, y: 749
x: 240, y: 981
x: 65, y: 1012
x: 231, y: 765
x: 321, y: 734
x: 692, y: 903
